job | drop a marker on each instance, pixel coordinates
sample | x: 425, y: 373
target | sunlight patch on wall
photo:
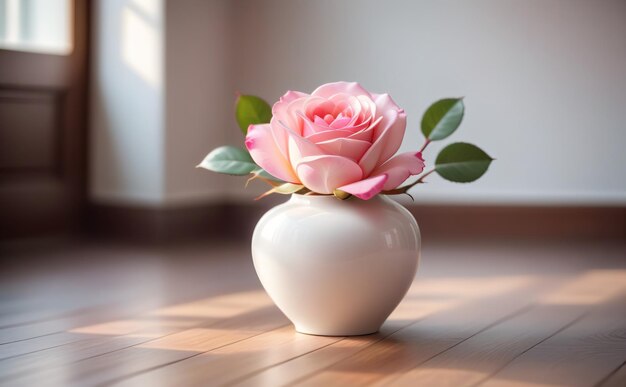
x: 142, y: 47
x: 150, y: 8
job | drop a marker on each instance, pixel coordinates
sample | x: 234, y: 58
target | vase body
x: 333, y: 267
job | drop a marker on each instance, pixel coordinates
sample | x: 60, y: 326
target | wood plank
x: 23, y: 347
x: 583, y: 354
x: 294, y: 369
x: 99, y: 361
x: 227, y: 364
x: 419, y: 342
x: 143, y: 327
x: 235, y: 363
x: 617, y: 378
x: 69, y: 301
x: 475, y: 359
x: 425, y: 297
x: 458, y: 325
x: 405, y: 314
x: 23, y: 370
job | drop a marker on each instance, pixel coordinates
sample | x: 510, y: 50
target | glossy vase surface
x: 336, y: 268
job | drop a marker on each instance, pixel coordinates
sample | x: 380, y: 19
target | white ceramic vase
x: 336, y: 268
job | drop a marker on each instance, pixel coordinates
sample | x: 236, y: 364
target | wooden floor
x: 499, y: 314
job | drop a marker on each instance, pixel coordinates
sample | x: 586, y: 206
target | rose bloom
x: 340, y: 137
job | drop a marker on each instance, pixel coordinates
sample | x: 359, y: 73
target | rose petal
x: 280, y: 137
x: 387, y: 143
x: 340, y: 122
x: 279, y: 109
x: 346, y: 147
x: 298, y: 147
x: 342, y: 119
x: 320, y: 121
x: 368, y: 106
x: 288, y: 113
x: 384, y: 103
x: 400, y: 167
x: 289, y: 96
x: 323, y: 174
x: 310, y: 128
x: 352, y: 132
x: 366, y: 189
x: 316, y: 106
x: 330, y: 89
x: 368, y: 133
x: 328, y: 135
x: 351, y: 106
x: 266, y: 153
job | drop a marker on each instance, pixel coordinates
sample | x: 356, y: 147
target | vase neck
x: 308, y: 199
x: 321, y: 199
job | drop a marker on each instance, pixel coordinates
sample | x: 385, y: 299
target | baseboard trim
x: 536, y: 222
x: 236, y: 221
x: 153, y: 223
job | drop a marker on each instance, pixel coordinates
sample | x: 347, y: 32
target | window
x: 42, y: 26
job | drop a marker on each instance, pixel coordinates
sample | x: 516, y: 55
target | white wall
x: 199, y: 99
x: 544, y: 81
x: 161, y: 97
x: 127, y: 128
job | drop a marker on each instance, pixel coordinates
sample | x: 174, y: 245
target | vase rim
x: 300, y: 198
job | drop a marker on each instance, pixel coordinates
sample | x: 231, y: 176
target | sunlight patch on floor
x: 592, y: 287
x: 224, y: 306
x: 135, y: 327
x: 198, y: 339
x: 426, y: 297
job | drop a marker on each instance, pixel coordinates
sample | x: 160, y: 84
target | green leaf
x: 442, y: 118
x: 230, y: 160
x: 252, y: 110
x: 462, y: 162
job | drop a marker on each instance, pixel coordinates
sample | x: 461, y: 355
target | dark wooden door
x: 43, y: 105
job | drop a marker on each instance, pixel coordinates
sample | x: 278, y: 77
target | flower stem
x: 421, y: 179
x: 425, y: 145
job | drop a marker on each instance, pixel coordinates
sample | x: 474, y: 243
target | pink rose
x: 339, y: 137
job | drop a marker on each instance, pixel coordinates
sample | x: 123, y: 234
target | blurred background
x: 121, y: 263
x: 107, y: 106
